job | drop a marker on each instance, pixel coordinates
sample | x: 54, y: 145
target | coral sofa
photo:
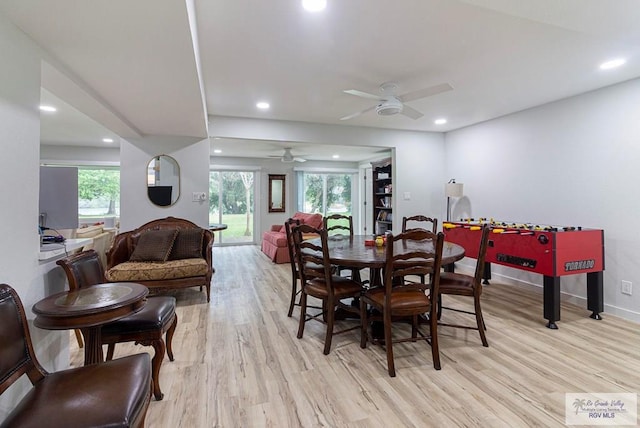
x: 163, y: 254
x: 274, y: 241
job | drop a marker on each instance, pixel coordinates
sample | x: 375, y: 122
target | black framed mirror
x: 276, y: 193
x: 163, y: 180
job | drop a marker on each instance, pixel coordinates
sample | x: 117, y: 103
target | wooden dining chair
x: 424, y: 222
x: 428, y: 223
x: 318, y: 280
x: 113, y: 394
x: 147, y: 326
x: 339, y: 224
x: 466, y: 285
x: 416, y: 252
x: 295, y: 275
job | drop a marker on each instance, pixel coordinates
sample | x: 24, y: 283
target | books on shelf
x: 385, y: 202
x: 385, y: 216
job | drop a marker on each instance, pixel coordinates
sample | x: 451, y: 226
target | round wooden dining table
x: 87, y: 309
x: 351, y: 252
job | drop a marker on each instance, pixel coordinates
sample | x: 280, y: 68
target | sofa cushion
x: 89, y: 231
x: 154, y: 246
x: 188, y: 244
x: 279, y: 239
x: 313, y: 220
x: 172, y: 269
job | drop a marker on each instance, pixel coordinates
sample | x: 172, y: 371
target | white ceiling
x: 159, y: 68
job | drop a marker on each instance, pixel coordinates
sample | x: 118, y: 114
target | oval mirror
x: 163, y: 180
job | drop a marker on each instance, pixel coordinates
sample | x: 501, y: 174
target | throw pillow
x: 154, y: 246
x: 188, y: 244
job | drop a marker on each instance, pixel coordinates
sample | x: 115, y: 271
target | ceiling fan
x: 389, y: 103
x: 287, y: 157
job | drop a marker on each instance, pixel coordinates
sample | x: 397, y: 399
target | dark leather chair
x: 112, y: 394
x: 402, y: 303
x: 147, y: 326
x: 316, y: 273
x: 466, y: 285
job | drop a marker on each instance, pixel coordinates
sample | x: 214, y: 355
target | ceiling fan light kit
x: 389, y: 107
x: 391, y: 104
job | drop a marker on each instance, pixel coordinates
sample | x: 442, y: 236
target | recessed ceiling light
x: 612, y: 64
x: 107, y: 140
x: 336, y: 156
x: 262, y: 105
x: 314, y: 5
x: 48, y: 108
x: 440, y: 121
x: 217, y: 151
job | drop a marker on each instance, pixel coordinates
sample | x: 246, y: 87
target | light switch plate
x: 199, y: 197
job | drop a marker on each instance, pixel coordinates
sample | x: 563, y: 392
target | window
x: 98, y: 193
x: 326, y: 192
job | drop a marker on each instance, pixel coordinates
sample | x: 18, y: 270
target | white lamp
x: 452, y: 190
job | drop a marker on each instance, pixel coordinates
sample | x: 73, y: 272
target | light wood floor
x: 239, y: 364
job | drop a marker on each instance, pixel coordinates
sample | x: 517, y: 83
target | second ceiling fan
x: 287, y: 157
x: 389, y: 103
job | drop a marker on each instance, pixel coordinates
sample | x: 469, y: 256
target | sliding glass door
x: 231, y: 201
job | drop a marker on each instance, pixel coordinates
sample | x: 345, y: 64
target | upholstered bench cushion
x: 157, y: 311
x: 149, y: 271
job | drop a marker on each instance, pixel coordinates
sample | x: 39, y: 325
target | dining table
x: 353, y: 252
x: 88, y: 309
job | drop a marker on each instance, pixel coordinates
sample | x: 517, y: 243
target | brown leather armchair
x: 114, y: 393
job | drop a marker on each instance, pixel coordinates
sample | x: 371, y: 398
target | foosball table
x: 553, y: 251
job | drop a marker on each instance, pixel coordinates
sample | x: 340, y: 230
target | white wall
x: 193, y: 159
x: 74, y: 155
x: 420, y: 155
x: 571, y: 163
x: 19, y: 182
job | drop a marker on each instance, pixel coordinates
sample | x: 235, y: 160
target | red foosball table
x: 551, y: 251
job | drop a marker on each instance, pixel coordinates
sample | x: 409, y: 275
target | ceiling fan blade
x: 363, y: 94
x: 426, y: 92
x: 351, y: 116
x: 299, y: 160
x: 411, y: 112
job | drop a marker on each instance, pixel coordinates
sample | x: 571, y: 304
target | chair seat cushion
x: 402, y: 299
x: 157, y: 312
x: 149, y: 271
x: 343, y: 287
x: 457, y: 283
x: 110, y: 394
